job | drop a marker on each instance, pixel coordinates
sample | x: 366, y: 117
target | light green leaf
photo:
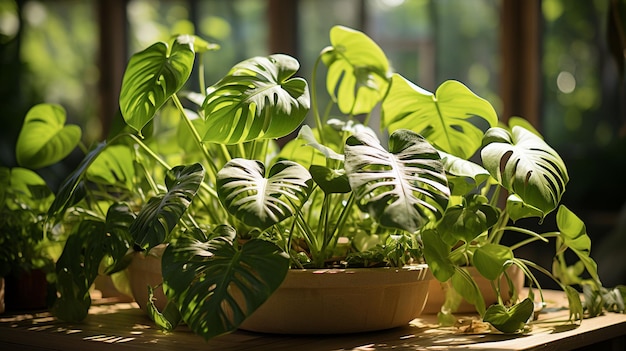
x: 490, y: 260
x: 44, y: 138
x: 257, y: 99
x: 152, y: 77
x: 402, y: 188
x: 436, y: 253
x: 216, y: 285
x: 258, y: 200
x: 465, y: 285
x: 114, y: 166
x: 518, y: 209
x: 525, y: 165
x: 358, y: 71
x: 510, y: 320
x: 463, y: 175
x: 573, y: 230
x: 454, y: 119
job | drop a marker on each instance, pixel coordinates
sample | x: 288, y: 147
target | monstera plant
x: 202, y: 173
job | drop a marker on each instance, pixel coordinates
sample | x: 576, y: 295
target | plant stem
x: 314, y: 108
x: 195, y: 134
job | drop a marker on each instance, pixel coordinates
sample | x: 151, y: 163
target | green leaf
x: 114, y: 166
x: 510, y: 320
x: 518, y: 209
x: 45, y: 139
x: 454, y: 119
x: 576, y: 312
x: 402, y: 188
x: 72, y: 189
x: 436, y: 254
x: 153, y: 76
x: 465, y: 285
x: 467, y: 220
x: 78, y: 266
x: 463, y: 175
x: 331, y: 181
x: 217, y: 286
x: 160, y: 215
x: 256, y: 100
x: 525, y: 165
x: 261, y: 201
x: 166, y: 320
x: 573, y: 230
x: 23, y: 185
x: 490, y: 260
x: 358, y: 71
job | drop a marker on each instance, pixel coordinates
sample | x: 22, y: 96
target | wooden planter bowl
x: 333, y: 301
x: 319, y: 301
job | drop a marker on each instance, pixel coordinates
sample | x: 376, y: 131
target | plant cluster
x: 202, y: 173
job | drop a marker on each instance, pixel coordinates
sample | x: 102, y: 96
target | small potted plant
x: 238, y: 213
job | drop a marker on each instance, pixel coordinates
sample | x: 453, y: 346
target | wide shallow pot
x: 317, y: 301
x: 333, y: 301
x: 437, y: 290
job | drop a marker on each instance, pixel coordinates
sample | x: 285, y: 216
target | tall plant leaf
x: 160, y: 215
x: 78, y: 266
x: 216, y: 286
x: 454, y: 119
x: 510, y: 320
x: 72, y: 189
x: 403, y: 187
x: 152, y: 76
x: 44, y: 138
x: 261, y: 201
x: 525, y: 165
x: 257, y: 99
x: 358, y: 71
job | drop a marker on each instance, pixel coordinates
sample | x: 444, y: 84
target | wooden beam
x: 283, y: 26
x: 112, y: 58
x: 520, y: 45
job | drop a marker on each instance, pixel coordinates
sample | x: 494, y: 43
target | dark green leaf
x: 510, y: 320
x: 256, y: 100
x: 72, y: 188
x: 331, y: 181
x: 575, y: 305
x: 217, y: 286
x: 160, y: 215
x: 44, y: 138
x: 153, y: 76
x: 166, y: 320
x: 468, y: 220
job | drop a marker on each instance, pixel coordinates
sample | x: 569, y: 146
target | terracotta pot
x: 437, y: 290
x: 343, y: 301
x: 144, y: 271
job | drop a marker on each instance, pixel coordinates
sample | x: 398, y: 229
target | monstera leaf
x: 162, y: 212
x: 358, y: 71
x: 526, y: 166
x: 216, y: 285
x: 453, y: 119
x: 402, y: 188
x: 261, y: 201
x: 256, y: 100
x: 153, y: 76
x: 45, y: 138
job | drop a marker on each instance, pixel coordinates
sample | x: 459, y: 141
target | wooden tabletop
x: 123, y: 326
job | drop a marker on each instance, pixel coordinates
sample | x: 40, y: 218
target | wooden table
x: 123, y: 326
